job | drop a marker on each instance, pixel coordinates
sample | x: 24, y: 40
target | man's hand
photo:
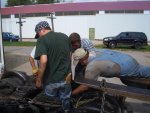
x: 34, y: 71
x: 38, y: 83
x: 68, y: 78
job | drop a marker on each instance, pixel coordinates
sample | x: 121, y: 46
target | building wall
x: 113, y: 24
x: 104, y: 24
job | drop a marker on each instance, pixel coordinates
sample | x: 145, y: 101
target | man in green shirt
x: 53, y: 51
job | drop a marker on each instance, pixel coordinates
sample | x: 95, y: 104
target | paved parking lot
x: 16, y: 58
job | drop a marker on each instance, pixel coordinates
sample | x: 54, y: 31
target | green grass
x: 19, y: 43
x: 124, y: 48
x: 100, y: 46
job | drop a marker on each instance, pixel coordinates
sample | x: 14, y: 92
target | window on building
x: 6, y: 16
x: 32, y: 15
x: 114, y: 11
x: 59, y: 14
x: 134, y: 11
x: 89, y: 12
x: 69, y: 13
x: 124, y: 11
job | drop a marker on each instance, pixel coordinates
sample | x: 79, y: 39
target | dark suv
x: 133, y: 39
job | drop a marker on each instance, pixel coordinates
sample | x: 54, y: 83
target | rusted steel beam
x: 118, y: 90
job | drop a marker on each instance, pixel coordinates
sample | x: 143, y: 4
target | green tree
x: 45, y: 1
x: 19, y: 2
x: 29, y: 2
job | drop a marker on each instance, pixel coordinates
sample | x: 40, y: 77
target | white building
x: 94, y: 20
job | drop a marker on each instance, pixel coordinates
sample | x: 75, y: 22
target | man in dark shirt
x: 53, y: 52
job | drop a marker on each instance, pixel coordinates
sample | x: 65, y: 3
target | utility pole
x: 52, y: 20
x: 20, y: 22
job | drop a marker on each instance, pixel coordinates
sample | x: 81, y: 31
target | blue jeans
x: 141, y: 71
x: 62, y: 90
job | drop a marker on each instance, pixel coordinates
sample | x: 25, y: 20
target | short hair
x: 74, y: 36
x: 47, y: 28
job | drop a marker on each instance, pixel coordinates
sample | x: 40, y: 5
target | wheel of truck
x: 112, y: 44
x: 137, y: 45
x: 21, y: 75
x: 10, y: 40
x: 15, y: 78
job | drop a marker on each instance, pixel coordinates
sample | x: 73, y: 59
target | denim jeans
x: 141, y: 72
x: 62, y: 90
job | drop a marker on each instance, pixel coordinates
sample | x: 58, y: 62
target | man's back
x: 126, y: 62
x: 57, y: 48
x: 87, y: 44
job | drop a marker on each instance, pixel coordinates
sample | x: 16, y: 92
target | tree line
x: 29, y: 2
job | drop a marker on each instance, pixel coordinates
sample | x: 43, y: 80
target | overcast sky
x: 3, y: 2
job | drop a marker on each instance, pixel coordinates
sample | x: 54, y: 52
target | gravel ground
x: 15, y: 57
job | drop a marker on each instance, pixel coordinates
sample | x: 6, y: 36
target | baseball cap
x: 39, y: 26
x: 76, y: 56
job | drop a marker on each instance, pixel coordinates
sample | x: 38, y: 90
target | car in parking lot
x: 133, y: 39
x: 8, y: 36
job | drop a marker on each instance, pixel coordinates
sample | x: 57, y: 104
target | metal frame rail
x: 118, y: 90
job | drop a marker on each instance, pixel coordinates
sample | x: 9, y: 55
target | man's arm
x: 80, y: 89
x: 87, y: 44
x: 33, y: 65
x: 42, y: 67
x: 79, y: 78
x: 32, y: 61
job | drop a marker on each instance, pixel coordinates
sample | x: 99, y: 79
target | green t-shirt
x: 57, y: 47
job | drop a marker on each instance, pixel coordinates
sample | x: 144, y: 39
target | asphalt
x: 16, y: 58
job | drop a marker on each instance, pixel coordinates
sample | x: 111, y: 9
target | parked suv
x: 8, y: 36
x: 133, y: 39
